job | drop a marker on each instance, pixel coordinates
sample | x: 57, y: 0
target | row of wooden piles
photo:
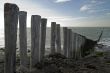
x: 74, y: 45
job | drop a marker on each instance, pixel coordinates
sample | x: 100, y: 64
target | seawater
x: 90, y: 32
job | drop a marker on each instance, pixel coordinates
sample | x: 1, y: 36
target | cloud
x: 36, y: 9
x: 98, y: 1
x: 93, y: 6
x: 66, y: 18
x: 85, y: 8
x: 93, y: 1
x: 68, y: 21
x: 108, y: 13
x: 33, y: 8
x: 61, y: 1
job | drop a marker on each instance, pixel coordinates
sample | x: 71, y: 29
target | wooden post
x: 69, y: 43
x: 74, y: 45
x: 35, y: 34
x: 10, y: 24
x: 23, y: 38
x: 58, y: 39
x: 82, y: 46
x: 43, y: 37
x: 79, y: 46
x: 65, y: 39
x: 82, y: 43
x: 53, y: 36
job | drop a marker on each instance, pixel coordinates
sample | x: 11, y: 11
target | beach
x: 59, y: 64
x: 98, y: 62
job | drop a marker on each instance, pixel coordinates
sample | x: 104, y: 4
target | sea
x: 90, y: 33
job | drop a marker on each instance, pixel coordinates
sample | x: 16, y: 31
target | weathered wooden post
x: 79, y: 46
x: 43, y: 37
x: 74, y: 45
x: 58, y: 38
x: 11, y: 20
x: 69, y: 43
x: 65, y: 39
x: 53, y: 37
x: 35, y: 34
x: 23, y: 38
x: 82, y: 46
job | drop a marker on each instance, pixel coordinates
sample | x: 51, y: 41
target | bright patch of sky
x: 76, y: 13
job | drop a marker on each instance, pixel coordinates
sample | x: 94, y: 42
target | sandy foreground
x: 57, y: 63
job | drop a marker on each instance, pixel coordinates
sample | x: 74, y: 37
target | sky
x: 71, y: 13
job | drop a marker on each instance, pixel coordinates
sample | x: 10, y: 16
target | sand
x: 58, y: 63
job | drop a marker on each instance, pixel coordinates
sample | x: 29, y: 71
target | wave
x: 103, y: 45
x: 105, y: 41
